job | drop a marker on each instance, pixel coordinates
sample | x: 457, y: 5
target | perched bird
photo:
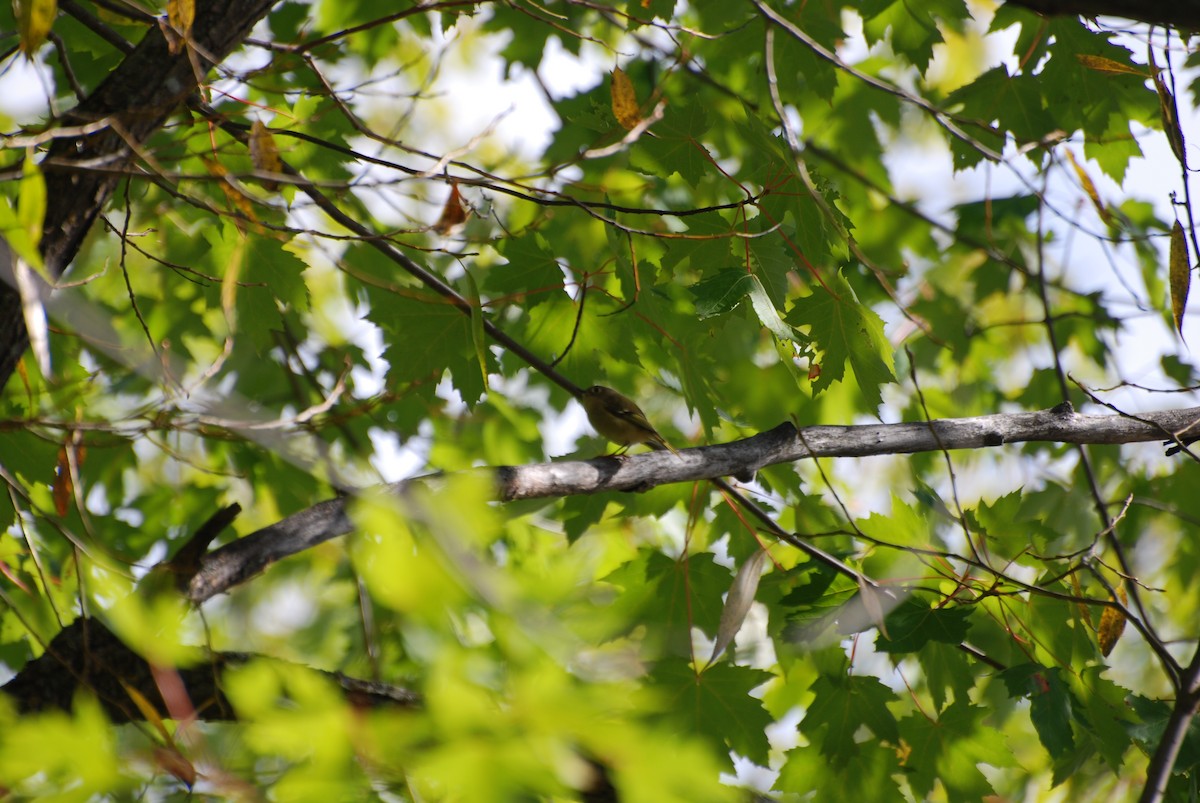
x: 618, y: 419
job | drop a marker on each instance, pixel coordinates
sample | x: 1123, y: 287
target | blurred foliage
x: 913, y: 224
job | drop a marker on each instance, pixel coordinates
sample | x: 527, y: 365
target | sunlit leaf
x: 624, y: 100
x: 34, y: 20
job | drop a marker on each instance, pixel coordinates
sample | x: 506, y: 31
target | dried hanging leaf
x: 1112, y: 624
x: 1170, y: 116
x: 1089, y: 188
x: 234, y: 194
x: 62, y: 483
x: 1101, y: 64
x: 34, y: 20
x: 869, y: 595
x: 454, y: 213
x: 1181, y: 275
x: 264, y: 153
x: 738, y: 602
x: 624, y: 100
x: 174, y: 762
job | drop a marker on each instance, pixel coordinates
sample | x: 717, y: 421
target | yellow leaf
x: 264, y: 153
x: 181, y: 14
x: 149, y: 712
x: 1101, y: 64
x: 1089, y: 187
x: 34, y: 19
x: 624, y: 100
x: 1112, y: 624
x: 1181, y: 275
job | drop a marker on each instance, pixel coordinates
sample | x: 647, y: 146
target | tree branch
x: 86, y: 654
x: 134, y: 100
x: 1183, y: 14
x: 1187, y: 703
x: 240, y: 560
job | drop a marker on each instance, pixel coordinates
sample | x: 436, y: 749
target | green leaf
x: 31, y: 204
x: 721, y: 293
x: 478, y: 339
x: 1154, y: 716
x: 950, y: 749
x: 914, y: 623
x: 1050, y: 703
x: 812, y: 606
x: 717, y: 705
x: 848, y: 333
x: 869, y: 774
x: 946, y: 670
x: 410, y: 321
x: 532, y: 274
x: 843, y: 704
x: 676, y: 146
x: 22, y: 229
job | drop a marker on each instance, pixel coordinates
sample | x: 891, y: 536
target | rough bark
x: 135, y: 99
x: 1181, y: 14
x: 87, y: 655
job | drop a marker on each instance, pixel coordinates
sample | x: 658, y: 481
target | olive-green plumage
x: 618, y: 419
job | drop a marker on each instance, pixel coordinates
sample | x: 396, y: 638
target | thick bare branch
x: 237, y: 562
x: 86, y: 654
x: 1183, y: 14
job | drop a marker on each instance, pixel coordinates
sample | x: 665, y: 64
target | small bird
x: 618, y: 419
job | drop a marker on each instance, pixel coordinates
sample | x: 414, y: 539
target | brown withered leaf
x: 62, y: 488
x: 1169, y: 112
x: 1101, y: 64
x: 454, y: 213
x: 234, y: 194
x: 174, y: 762
x: 1112, y: 624
x: 264, y: 153
x: 1180, y: 275
x: 1086, y: 181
